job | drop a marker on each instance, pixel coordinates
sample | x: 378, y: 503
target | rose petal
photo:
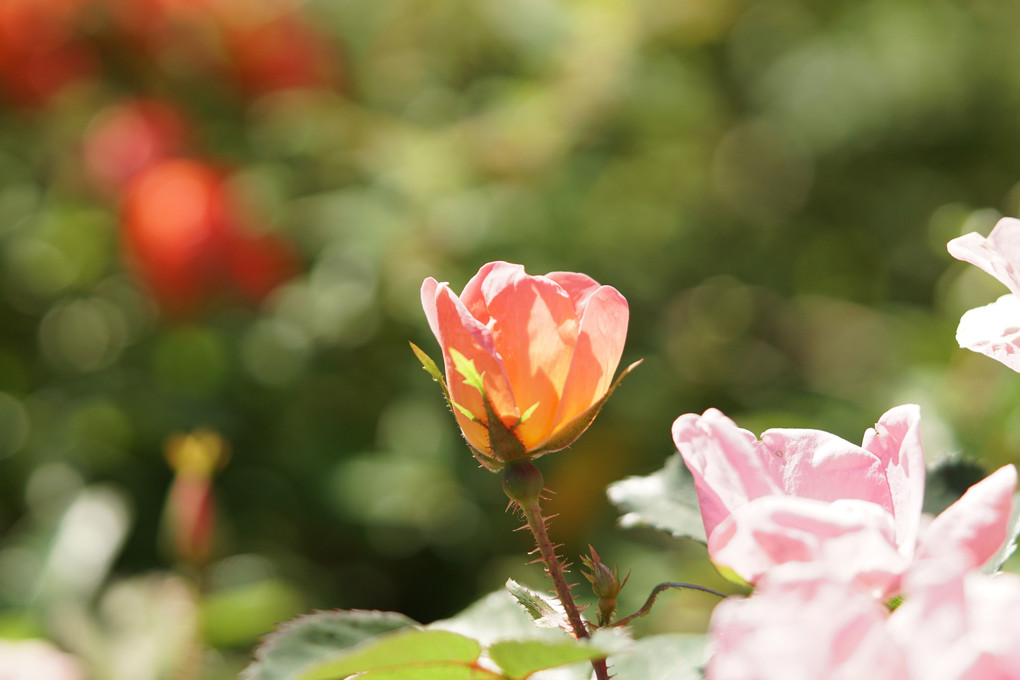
x: 850, y: 540
x: 534, y: 329
x: 993, y: 330
x: 819, y: 465
x: 455, y: 328
x: 728, y: 471
x: 802, y: 629
x: 472, y: 296
x: 579, y: 287
x: 600, y: 342
x: 999, y: 254
x: 896, y: 441
x: 974, y: 527
x: 957, y: 624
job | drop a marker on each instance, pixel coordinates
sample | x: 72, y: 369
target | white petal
x: 994, y: 330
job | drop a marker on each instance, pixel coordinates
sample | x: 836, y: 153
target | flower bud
x: 605, y: 583
x: 190, y: 518
x: 529, y: 359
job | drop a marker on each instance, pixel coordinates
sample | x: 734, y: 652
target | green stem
x: 523, y: 482
x: 655, y: 593
x: 554, y: 568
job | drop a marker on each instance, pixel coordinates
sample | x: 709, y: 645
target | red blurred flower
x: 126, y: 138
x: 39, y: 51
x: 188, y: 239
x: 262, y: 47
x: 278, y: 54
x: 258, y: 263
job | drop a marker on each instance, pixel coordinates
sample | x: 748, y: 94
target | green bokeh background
x: 770, y: 183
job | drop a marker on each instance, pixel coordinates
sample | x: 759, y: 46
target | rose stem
x: 522, y: 482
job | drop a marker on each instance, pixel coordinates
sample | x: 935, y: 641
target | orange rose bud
x: 529, y: 359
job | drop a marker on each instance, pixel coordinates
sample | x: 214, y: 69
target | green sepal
x: 503, y: 442
x: 432, y: 369
x: 466, y: 367
x: 576, y: 427
x: 487, y: 461
x: 730, y: 575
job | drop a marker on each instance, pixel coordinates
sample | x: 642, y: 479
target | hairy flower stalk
x: 522, y: 482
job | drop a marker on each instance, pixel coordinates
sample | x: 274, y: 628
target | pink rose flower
x: 540, y: 350
x: 957, y: 624
x: 809, y: 496
x: 802, y: 626
x: 993, y: 329
x: 36, y: 660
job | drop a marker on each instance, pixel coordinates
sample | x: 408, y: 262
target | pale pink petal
x: 579, y: 287
x: 999, y: 254
x: 724, y: 461
x: 959, y: 625
x: 802, y: 629
x: 36, y: 660
x: 993, y: 330
x: 974, y: 527
x: 896, y: 441
x: 849, y: 540
x: 534, y: 330
x: 819, y: 465
x: 457, y: 329
x: 600, y: 344
x: 930, y: 622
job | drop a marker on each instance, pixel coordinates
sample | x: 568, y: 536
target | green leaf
x: 664, y: 500
x: 520, y: 658
x: 995, y: 563
x: 661, y: 657
x: 546, y: 611
x: 412, y: 650
x: 440, y: 671
x: 497, y: 616
x: 309, y: 639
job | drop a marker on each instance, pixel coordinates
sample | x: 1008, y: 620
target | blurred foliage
x: 770, y: 183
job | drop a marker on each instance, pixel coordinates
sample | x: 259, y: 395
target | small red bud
x: 190, y: 518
